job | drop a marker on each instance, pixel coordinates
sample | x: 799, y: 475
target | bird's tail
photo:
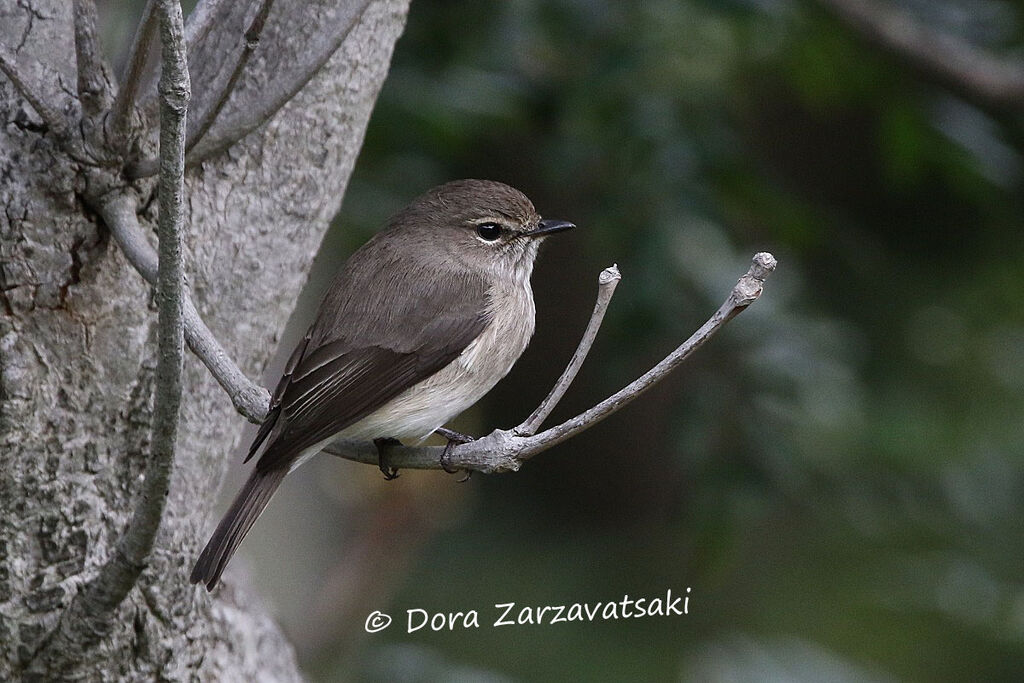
x: 240, y: 517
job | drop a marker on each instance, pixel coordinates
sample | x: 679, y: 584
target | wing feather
x: 363, y: 351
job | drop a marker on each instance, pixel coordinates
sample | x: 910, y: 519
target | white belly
x: 421, y: 409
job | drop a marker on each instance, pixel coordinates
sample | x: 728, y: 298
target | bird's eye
x: 488, y: 231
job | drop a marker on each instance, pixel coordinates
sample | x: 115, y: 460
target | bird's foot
x: 383, y: 444
x: 454, y: 438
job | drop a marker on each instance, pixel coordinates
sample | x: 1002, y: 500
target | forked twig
x: 507, y: 450
x: 607, y: 281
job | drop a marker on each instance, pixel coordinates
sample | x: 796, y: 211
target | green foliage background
x: 838, y: 476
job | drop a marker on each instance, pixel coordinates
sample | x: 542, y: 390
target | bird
x: 417, y: 325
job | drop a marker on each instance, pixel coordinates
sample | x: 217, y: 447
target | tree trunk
x: 77, y: 331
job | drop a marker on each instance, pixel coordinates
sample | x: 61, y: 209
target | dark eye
x: 489, y: 231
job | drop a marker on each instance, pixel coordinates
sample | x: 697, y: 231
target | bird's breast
x: 424, y: 407
x: 512, y: 317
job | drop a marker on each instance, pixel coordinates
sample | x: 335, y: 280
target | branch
x: 197, y: 25
x: 252, y: 41
x: 124, y: 104
x: 175, y: 93
x: 53, y: 119
x: 606, y: 284
x: 93, y: 84
x: 90, y: 614
x: 507, y: 450
x: 254, y: 114
x: 947, y: 59
x: 250, y: 399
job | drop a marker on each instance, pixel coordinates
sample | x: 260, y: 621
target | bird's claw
x: 383, y: 444
x: 454, y: 438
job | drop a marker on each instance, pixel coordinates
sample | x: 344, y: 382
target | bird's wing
x: 341, y: 373
x: 275, y: 401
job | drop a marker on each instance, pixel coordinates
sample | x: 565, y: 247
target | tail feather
x: 246, y: 508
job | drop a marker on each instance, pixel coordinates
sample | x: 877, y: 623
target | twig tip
x: 762, y: 265
x: 749, y: 287
x: 609, y: 274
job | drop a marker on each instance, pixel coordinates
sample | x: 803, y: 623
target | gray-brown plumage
x: 419, y: 323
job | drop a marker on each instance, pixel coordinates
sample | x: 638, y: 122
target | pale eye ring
x: 489, y: 232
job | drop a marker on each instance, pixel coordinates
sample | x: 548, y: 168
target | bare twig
x: 945, y: 58
x: 606, y: 283
x: 252, y: 117
x: 506, y: 451
x: 747, y: 291
x: 131, y: 79
x: 197, y: 26
x: 252, y: 40
x: 249, y: 398
x: 90, y: 614
x: 175, y: 93
x: 247, y: 119
x: 93, y: 84
x: 53, y: 119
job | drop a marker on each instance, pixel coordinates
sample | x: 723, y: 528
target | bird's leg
x: 453, y: 437
x: 383, y: 444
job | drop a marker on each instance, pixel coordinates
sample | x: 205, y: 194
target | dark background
x: 837, y: 476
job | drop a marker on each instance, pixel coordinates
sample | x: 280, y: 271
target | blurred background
x: 838, y: 477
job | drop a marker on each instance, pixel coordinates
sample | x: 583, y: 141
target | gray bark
x: 77, y: 333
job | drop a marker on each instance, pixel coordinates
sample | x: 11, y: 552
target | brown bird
x: 417, y: 326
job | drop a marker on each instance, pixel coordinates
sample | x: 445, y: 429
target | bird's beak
x: 548, y: 226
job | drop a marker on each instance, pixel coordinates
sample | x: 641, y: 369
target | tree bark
x: 77, y: 337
